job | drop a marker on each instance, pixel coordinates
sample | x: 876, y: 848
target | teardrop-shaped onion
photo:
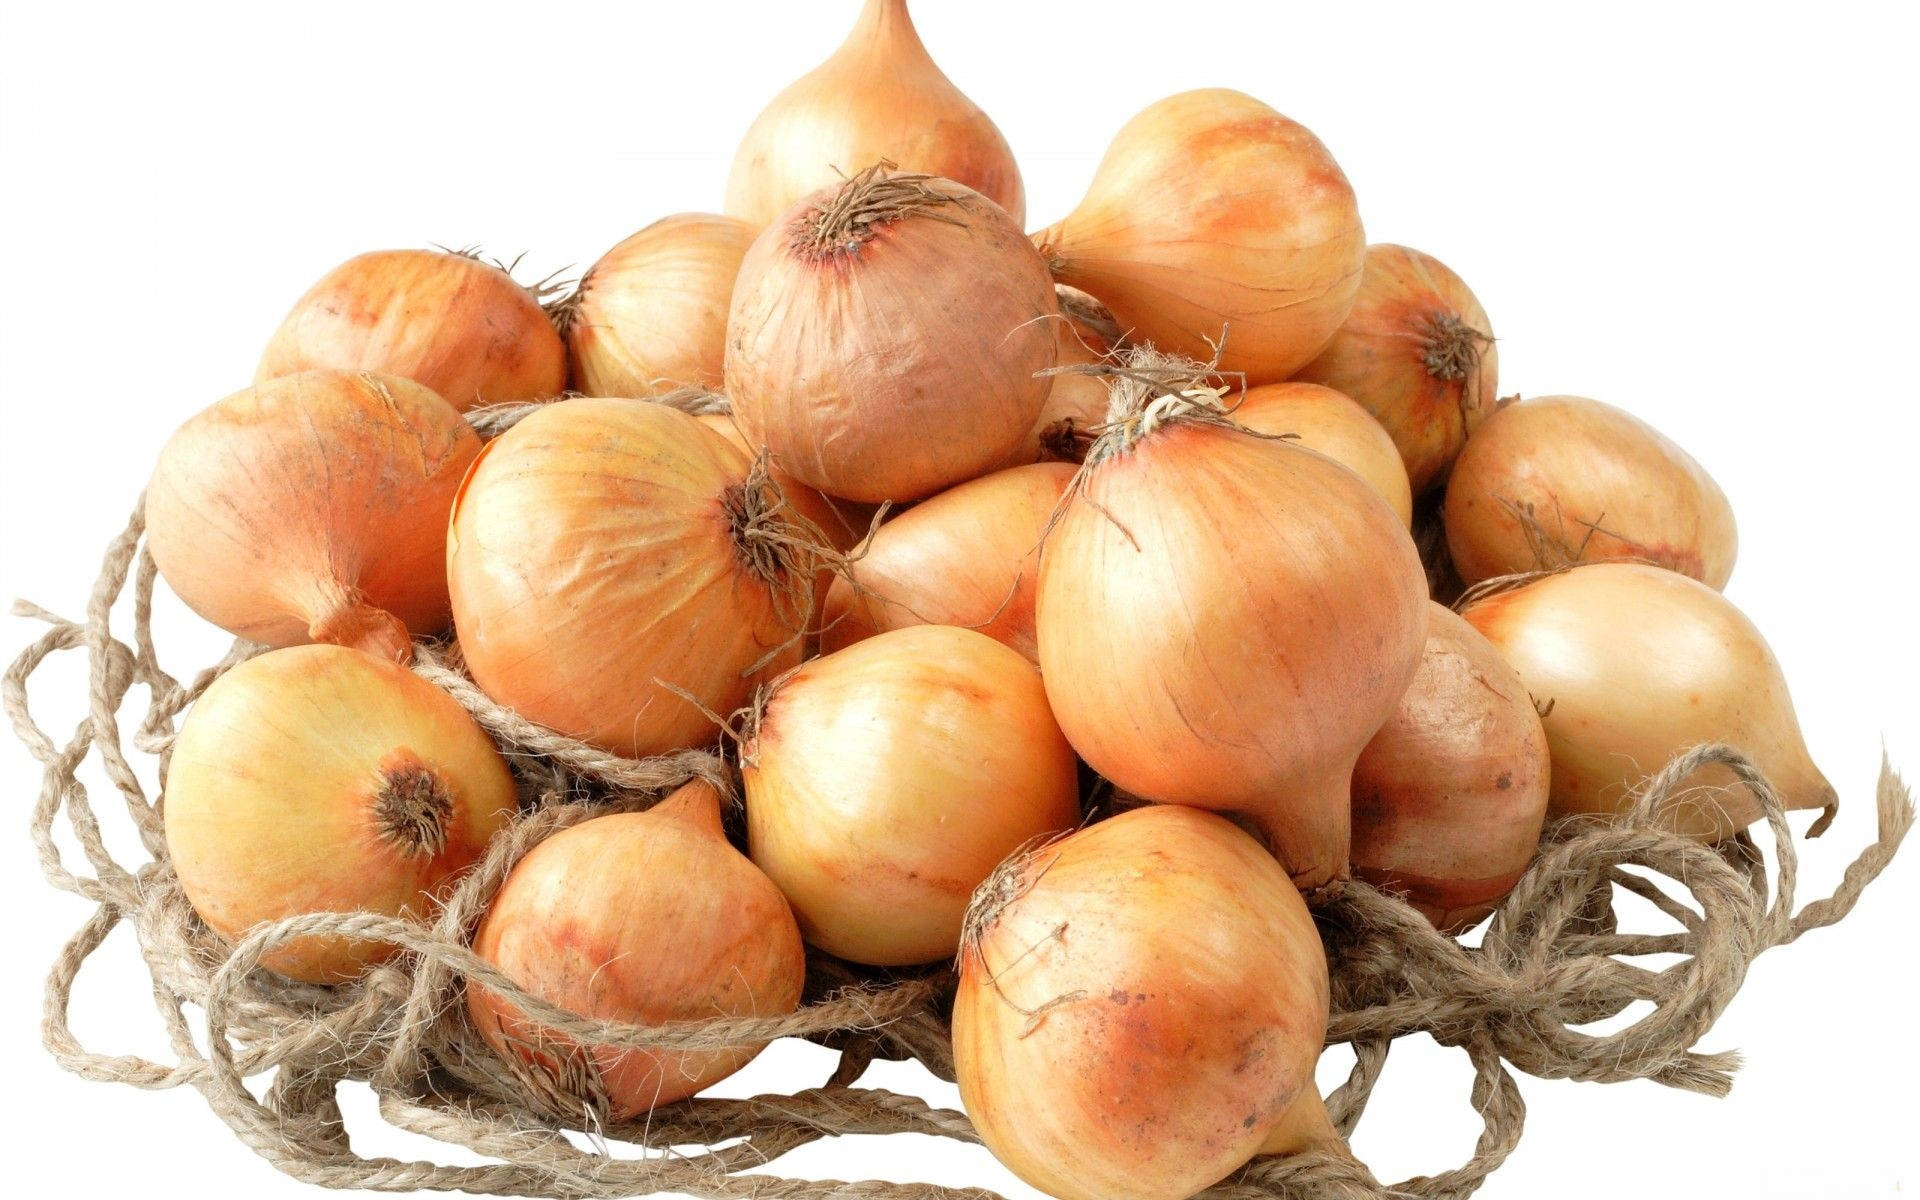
x: 879, y: 96
x: 1322, y: 419
x: 313, y: 508
x: 321, y: 779
x: 450, y: 322
x: 1417, y: 352
x: 643, y: 917
x: 1450, y: 795
x: 1212, y: 215
x: 885, y: 781
x: 969, y: 557
x: 616, y: 567
x: 1563, y: 479
x: 1633, y: 664
x: 651, y: 315
x: 1140, y: 1007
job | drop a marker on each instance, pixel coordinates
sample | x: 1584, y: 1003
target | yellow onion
x: 321, y: 779
x: 885, y: 781
x: 970, y: 556
x: 1322, y: 419
x: 448, y: 321
x: 646, y: 918
x: 1450, y: 795
x: 1076, y: 403
x: 1140, y: 1007
x: 1417, y: 352
x: 651, y: 315
x: 1225, y: 619
x: 886, y: 336
x: 617, y: 567
x: 313, y: 508
x: 1561, y: 479
x: 1212, y: 215
x: 1632, y: 664
x: 879, y: 96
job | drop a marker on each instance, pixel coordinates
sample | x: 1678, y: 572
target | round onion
x: 321, y: 779
x: 1322, y: 419
x: 885, y: 781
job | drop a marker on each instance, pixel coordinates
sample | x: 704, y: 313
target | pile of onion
x: 879, y: 96
x: 449, y: 321
x: 645, y: 918
x: 1322, y: 419
x: 887, y: 336
x: 885, y: 781
x: 321, y: 779
x: 313, y: 508
x: 1214, y: 217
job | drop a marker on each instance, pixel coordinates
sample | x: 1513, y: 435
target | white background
x: 1704, y: 213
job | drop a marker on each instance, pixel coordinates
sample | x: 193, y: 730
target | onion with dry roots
x: 313, y: 508
x: 651, y: 315
x: 970, y: 557
x: 620, y: 571
x: 1212, y: 216
x: 1449, y: 797
x: 879, y: 96
x: 1322, y: 419
x: 448, y: 321
x: 885, y: 781
x: 321, y: 779
x: 645, y: 917
x: 1417, y: 352
x: 1561, y: 479
x: 887, y: 336
x: 1140, y: 1008
x: 1632, y: 664
x: 1225, y: 618
x: 844, y: 523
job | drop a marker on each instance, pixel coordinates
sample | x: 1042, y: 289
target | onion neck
x: 1305, y: 1125
x: 1049, y: 242
x: 886, y: 27
x: 697, y: 803
x: 349, y: 621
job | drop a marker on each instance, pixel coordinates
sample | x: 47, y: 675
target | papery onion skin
x: 1633, y: 664
x: 313, y: 508
x: 595, y: 565
x: 1224, y: 621
x: 651, y: 315
x: 879, y: 96
x: 885, y: 781
x: 1322, y: 419
x: 969, y: 556
x: 1417, y: 351
x: 1140, y: 1005
x: 1076, y: 404
x: 1562, y: 479
x: 896, y: 358
x: 641, y: 917
x: 449, y: 322
x: 323, y: 779
x: 1214, y: 216
x: 1449, y: 797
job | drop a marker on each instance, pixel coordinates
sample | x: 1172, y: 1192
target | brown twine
x: 1551, y: 959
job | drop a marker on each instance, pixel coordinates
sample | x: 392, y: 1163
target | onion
x: 970, y: 556
x: 652, y: 313
x: 1225, y: 619
x: 643, y: 917
x: 1076, y: 404
x: 1632, y: 664
x: 1450, y: 795
x: 1322, y: 419
x: 1213, y: 216
x: 1417, y: 352
x: 885, y: 781
x: 844, y: 522
x: 321, y: 779
x: 879, y: 96
x: 448, y: 321
x: 313, y: 508
x: 885, y: 337
x: 1140, y: 1007
x: 617, y: 567
x: 1561, y: 479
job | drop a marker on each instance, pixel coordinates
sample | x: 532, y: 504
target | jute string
x: 1551, y: 959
